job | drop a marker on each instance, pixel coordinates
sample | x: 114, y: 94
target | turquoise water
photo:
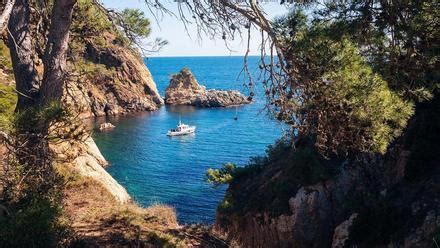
x: 155, y: 168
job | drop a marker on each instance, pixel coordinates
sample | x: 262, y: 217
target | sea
x: 157, y: 169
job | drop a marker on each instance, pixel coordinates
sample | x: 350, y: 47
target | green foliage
x: 8, y: 100
x: 36, y: 222
x: 94, y: 71
x: 163, y: 240
x: 89, y: 24
x: 38, y: 119
x: 369, y: 106
x: 227, y: 204
x: 345, y: 105
x: 293, y: 168
x: 136, y: 23
x: 32, y: 188
x: 89, y: 20
x: 222, y: 175
x: 399, y: 39
x: 5, y: 58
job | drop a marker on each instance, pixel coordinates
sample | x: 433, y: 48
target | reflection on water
x: 180, y: 109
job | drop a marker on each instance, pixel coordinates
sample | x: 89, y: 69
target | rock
x: 88, y: 161
x: 423, y: 236
x: 119, y: 82
x: 106, y: 126
x: 342, y: 232
x: 185, y: 90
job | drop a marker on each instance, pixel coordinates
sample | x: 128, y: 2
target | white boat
x: 181, y: 129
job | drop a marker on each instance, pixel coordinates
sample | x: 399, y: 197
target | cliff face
x: 112, y: 80
x: 105, y: 79
x: 390, y: 200
x: 185, y: 90
x: 86, y: 160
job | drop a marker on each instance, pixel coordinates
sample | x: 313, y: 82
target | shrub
x: 223, y: 175
x: 35, y: 222
x: 32, y: 188
x: 164, y: 240
x: 333, y: 94
x: 136, y: 23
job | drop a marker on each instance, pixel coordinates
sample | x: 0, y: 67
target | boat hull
x: 180, y: 133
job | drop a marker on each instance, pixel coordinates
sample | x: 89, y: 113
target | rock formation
x: 88, y: 161
x: 106, y: 77
x: 113, y: 81
x: 185, y: 90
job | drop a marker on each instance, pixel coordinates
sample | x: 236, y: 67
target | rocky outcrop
x: 86, y: 159
x: 342, y: 232
x: 185, y: 90
x: 91, y: 164
x: 113, y: 80
x: 389, y: 200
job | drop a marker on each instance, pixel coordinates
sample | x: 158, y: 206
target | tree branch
x: 4, y: 17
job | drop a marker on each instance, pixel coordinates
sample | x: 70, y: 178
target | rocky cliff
x: 105, y: 77
x: 296, y: 199
x: 85, y: 159
x: 111, y: 79
x: 185, y: 90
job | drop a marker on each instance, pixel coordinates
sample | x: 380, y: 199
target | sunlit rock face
x: 185, y: 90
x: 86, y: 159
x: 115, y: 81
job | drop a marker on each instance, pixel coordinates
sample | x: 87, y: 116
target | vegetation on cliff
x: 348, y: 81
x: 105, y: 57
x: 352, y: 77
x: 33, y: 177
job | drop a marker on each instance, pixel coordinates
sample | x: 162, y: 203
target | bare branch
x: 4, y: 17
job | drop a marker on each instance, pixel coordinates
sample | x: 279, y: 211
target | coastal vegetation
x: 41, y: 188
x: 350, y: 83
x: 356, y: 82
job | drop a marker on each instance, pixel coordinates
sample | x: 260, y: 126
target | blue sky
x: 180, y: 44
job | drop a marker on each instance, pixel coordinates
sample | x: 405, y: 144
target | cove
x: 155, y: 168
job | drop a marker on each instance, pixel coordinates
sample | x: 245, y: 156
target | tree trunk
x: 55, y: 53
x: 4, y: 17
x: 22, y: 53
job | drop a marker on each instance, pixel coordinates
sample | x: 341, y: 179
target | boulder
x: 185, y: 90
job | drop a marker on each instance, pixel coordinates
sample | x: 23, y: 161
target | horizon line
x: 173, y: 56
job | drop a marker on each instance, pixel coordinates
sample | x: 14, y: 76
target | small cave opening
x: 107, y: 109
